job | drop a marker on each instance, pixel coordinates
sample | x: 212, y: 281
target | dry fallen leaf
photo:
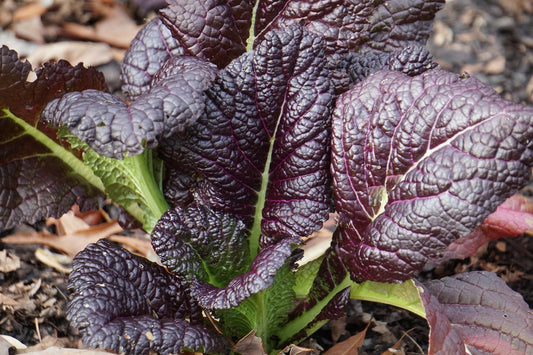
x: 88, y: 53
x: 116, y: 29
x: 298, y: 350
x: 317, y: 243
x: 53, y: 260
x: 8, y: 342
x: 8, y: 301
x: 8, y: 262
x: 250, y: 345
x: 73, y: 234
x: 349, y: 346
x: 34, y: 9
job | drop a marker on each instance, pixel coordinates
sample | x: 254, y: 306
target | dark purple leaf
x: 512, y: 218
x: 128, y: 304
x: 116, y: 129
x: 419, y: 162
x: 215, y: 30
x: 488, y: 316
x: 196, y: 242
x: 36, y: 181
x: 400, y: 23
x: 268, y: 111
x: 349, y: 25
x: 148, y: 51
x: 260, y: 277
x: 411, y: 61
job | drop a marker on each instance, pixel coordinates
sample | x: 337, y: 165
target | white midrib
x: 255, y: 232
x: 427, y: 154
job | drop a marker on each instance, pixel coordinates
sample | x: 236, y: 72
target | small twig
x: 413, y: 340
x: 37, y: 329
x: 215, y: 325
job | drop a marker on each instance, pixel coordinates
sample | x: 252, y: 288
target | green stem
x: 294, y: 327
x: 150, y: 191
x: 57, y: 150
x: 255, y: 232
x: 251, y: 35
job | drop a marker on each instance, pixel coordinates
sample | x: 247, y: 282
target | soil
x: 490, y: 39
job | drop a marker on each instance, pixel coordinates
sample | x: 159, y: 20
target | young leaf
x: 263, y: 312
x: 476, y: 312
x: 258, y: 278
x: 197, y: 242
x: 41, y: 177
x: 127, y: 304
x: 116, y: 129
x: 419, y: 162
x: 413, y: 60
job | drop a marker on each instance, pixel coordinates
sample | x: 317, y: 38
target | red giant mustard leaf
x: 130, y: 305
x: 419, y: 162
x: 476, y: 313
x: 196, y: 242
x: 260, y: 276
x: 118, y: 129
x: 353, y: 25
x: 213, y: 30
x: 261, y: 151
x: 39, y: 178
x: 149, y: 50
x: 512, y: 218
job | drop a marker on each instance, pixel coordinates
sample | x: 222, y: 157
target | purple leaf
x: 398, y: 24
x: 215, y: 30
x: 196, y: 242
x: 265, y: 136
x: 482, y: 310
x: 512, y: 218
x: 410, y: 60
x: 36, y: 181
x: 116, y: 129
x: 349, y: 25
x: 149, y: 50
x: 419, y: 162
x: 125, y: 303
x: 260, y: 277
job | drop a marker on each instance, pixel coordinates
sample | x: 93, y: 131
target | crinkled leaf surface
x: 400, y: 23
x: 39, y: 176
x: 149, y: 50
x: 128, y: 304
x: 259, y: 277
x: 117, y: 129
x: 263, y: 141
x: 210, y: 29
x: 512, y: 218
x: 412, y: 60
x: 476, y: 312
x: 419, y: 162
x: 350, y: 25
x: 197, y: 242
